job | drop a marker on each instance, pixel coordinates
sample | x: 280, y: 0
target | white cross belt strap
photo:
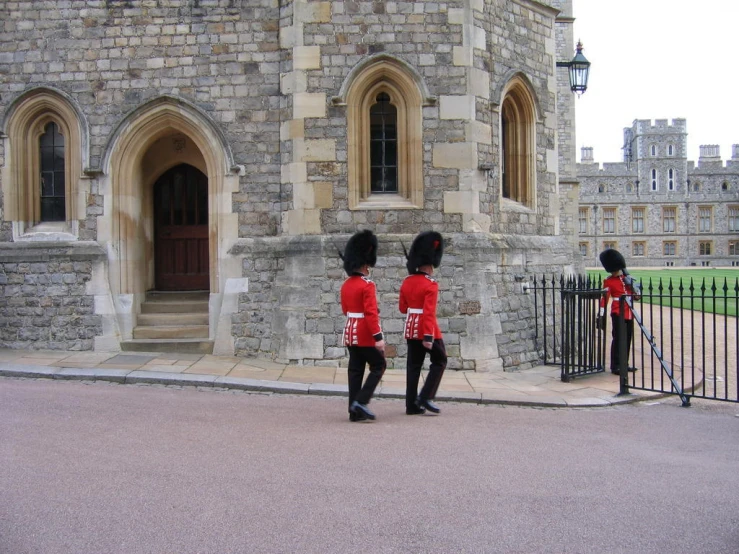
x: 415, y: 311
x: 356, y: 315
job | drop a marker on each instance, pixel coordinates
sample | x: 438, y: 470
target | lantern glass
x: 579, y: 71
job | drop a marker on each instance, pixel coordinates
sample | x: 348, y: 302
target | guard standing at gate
x: 619, y: 284
x: 362, y: 333
x: 419, y: 295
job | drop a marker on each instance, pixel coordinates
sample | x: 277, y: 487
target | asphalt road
x: 107, y: 469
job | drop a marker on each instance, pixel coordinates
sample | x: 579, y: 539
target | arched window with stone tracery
x: 385, y: 157
x: 518, y: 144
x: 44, y: 166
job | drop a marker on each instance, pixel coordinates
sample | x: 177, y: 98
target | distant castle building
x: 656, y: 207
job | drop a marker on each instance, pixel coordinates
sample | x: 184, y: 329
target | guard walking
x: 362, y: 332
x: 419, y: 295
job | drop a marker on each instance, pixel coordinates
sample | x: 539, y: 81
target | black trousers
x: 615, y: 342
x: 416, y: 356
x: 359, y: 357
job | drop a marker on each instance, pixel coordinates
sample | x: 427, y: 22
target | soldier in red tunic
x: 620, y: 283
x: 362, y: 333
x: 418, y: 297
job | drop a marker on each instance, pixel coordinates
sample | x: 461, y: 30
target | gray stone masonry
x: 485, y: 316
x: 43, y: 298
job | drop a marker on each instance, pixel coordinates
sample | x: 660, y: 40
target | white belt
x: 357, y: 315
x: 415, y: 310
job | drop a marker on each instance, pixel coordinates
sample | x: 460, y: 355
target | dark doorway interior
x: 181, y: 229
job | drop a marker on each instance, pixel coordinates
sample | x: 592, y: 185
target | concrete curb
x: 133, y: 377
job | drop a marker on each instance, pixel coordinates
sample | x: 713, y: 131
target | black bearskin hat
x: 612, y: 260
x: 360, y: 250
x: 427, y: 249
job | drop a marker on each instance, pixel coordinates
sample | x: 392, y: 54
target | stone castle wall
x: 45, y: 298
x: 267, y: 82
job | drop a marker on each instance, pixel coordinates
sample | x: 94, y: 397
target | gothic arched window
x: 383, y: 145
x: 53, y: 193
x: 385, y: 155
x: 45, y: 162
x: 518, y: 144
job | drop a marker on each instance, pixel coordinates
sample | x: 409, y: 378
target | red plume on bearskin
x: 612, y: 260
x: 360, y: 250
x: 427, y: 249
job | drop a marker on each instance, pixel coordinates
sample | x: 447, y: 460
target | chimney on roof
x: 586, y: 154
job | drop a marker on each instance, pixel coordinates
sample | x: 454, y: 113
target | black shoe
x: 631, y: 369
x: 427, y: 404
x: 358, y: 408
x: 357, y: 416
x: 415, y: 410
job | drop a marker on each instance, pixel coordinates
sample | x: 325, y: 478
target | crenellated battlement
x: 645, y: 126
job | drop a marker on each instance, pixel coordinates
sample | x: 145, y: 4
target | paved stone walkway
x: 539, y: 386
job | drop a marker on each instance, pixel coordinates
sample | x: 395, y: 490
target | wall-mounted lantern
x: 579, y: 70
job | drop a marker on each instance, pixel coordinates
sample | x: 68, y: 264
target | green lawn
x: 706, y: 289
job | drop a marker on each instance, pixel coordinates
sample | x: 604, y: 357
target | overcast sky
x: 658, y: 59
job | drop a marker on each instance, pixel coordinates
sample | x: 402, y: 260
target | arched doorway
x: 181, y: 244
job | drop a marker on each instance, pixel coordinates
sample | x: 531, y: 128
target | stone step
x: 173, y: 307
x: 171, y: 332
x: 168, y: 318
x: 182, y: 346
x: 175, y: 296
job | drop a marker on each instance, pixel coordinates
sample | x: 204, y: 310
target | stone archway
x: 150, y: 141
x: 158, y: 136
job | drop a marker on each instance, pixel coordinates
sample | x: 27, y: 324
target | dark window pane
x: 376, y: 179
x: 376, y: 153
x: 391, y: 179
x: 51, y: 147
x: 376, y: 123
x: 391, y: 154
x: 47, y: 139
x: 52, y: 209
x: 47, y: 183
x: 58, y: 158
x: 47, y: 159
x: 383, y: 145
x: 58, y: 137
x: 391, y: 132
x: 59, y: 183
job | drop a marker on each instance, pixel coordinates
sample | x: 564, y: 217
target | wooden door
x: 181, y: 230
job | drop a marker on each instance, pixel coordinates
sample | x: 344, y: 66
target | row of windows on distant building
x: 654, y: 182
x: 669, y: 220
x: 669, y: 248
x: 653, y: 151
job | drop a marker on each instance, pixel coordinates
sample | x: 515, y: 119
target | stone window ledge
x: 47, y: 232
x: 508, y: 205
x: 386, y: 202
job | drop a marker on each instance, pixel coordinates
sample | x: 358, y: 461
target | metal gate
x: 685, y: 336
x: 583, y: 344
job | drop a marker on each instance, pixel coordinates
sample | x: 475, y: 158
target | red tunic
x: 359, y: 304
x: 418, y: 296
x: 615, y: 287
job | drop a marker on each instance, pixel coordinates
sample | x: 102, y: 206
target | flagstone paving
x: 538, y: 386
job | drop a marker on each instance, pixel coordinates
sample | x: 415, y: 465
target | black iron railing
x: 685, y: 337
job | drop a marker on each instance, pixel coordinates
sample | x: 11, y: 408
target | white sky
x: 658, y: 59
